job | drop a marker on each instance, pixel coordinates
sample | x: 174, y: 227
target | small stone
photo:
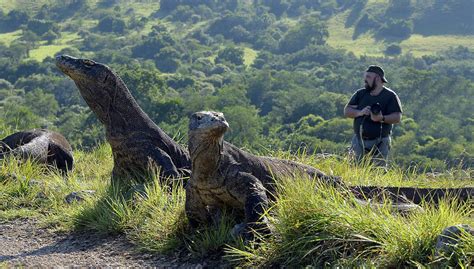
x: 78, y: 196
x: 34, y: 182
x: 449, y: 237
x: 41, y: 195
x: 238, y: 229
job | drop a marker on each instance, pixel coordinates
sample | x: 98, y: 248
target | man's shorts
x: 378, y: 149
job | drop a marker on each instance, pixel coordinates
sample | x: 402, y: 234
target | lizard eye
x: 88, y: 62
x: 199, y: 117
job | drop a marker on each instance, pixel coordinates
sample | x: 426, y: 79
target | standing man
x: 374, y: 109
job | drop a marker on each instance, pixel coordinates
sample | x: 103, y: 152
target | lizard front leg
x: 195, y: 208
x: 250, y: 192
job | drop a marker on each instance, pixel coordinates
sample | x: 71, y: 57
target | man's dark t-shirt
x: 389, y: 102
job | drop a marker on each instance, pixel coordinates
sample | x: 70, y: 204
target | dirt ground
x: 24, y: 244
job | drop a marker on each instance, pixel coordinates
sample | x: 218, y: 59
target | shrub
x: 393, y: 50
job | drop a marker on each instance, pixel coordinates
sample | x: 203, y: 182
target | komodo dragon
x: 40, y: 145
x: 135, y: 139
x: 224, y: 176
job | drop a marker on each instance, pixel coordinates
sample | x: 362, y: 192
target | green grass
x: 44, y: 50
x: 30, y: 189
x: 26, y: 5
x: 8, y: 38
x: 329, y: 228
x: 323, y: 227
x: 366, y: 44
x: 249, y: 56
x: 420, y: 45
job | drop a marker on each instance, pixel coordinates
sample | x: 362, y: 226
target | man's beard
x: 370, y: 88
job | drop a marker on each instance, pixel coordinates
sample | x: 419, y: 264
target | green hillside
x: 281, y: 71
x: 418, y: 45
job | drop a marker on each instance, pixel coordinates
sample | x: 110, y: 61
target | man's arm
x: 391, y: 118
x: 351, y: 111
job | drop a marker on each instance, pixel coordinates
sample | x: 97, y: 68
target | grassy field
x: 8, y: 38
x: 366, y: 44
x: 249, y: 56
x: 43, y: 51
x: 305, y: 221
x: 26, y: 5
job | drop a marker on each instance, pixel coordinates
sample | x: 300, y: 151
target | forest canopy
x: 267, y: 65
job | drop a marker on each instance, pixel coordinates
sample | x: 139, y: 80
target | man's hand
x: 376, y: 117
x: 365, y: 111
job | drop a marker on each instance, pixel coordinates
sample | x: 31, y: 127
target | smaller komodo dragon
x: 224, y: 176
x: 42, y: 146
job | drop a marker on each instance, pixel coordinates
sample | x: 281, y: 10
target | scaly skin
x: 43, y: 146
x: 224, y: 176
x: 413, y: 195
x: 135, y: 139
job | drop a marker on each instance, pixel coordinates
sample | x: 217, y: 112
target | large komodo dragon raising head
x: 42, y: 146
x: 135, y: 139
x: 224, y: 176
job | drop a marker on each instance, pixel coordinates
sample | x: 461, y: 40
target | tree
x: 393, y: 50
x: 311, y: 30
x: 40, y: 27
x: 167, y: 60
x: 50, y: 36
x: 232, y: 55
x: 42, y: 104
x: 111, y: 24
x: 395, y: 28
x: 19, y: 117
x: 245, y: 125
x: 13, y: 20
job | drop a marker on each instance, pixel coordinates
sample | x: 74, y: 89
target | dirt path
x: 22, y: 243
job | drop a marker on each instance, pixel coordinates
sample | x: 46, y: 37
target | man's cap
x: 377, y: 70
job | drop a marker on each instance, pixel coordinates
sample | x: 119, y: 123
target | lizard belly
x: 218, y: 197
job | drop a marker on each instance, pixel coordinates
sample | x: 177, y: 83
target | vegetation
x: 306, y: 221
x: 270, y: 66
x: 281, y: 71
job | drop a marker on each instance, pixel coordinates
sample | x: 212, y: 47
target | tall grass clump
x: 328, y: 227
x: 29, y: 189
x: 152, y: 216
x: 313, y: 224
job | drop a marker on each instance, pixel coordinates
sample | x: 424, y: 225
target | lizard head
x: 208, y: 123
x: 96, y: 82
x: 84, y: 71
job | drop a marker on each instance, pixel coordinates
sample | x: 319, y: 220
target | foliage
x: 231, y: 55
x: 190, y: 55
x: 307, y: 216
x: 329, y: 228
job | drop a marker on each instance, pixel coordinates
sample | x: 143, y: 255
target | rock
x: 78, y: 196
x: 34, y: 182
x: 41, y: 195
x: 449, y: 237
x: 238, y: 229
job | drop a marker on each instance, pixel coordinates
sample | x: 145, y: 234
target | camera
x: 375, y: 108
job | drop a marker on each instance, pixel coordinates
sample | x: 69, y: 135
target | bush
x: 399, y: 29
x: 50, y: 36
x: 232, y: 55
x: 111, y: 24
x: 393, y: 50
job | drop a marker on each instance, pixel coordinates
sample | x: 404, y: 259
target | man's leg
x: 357, y: 149
x: 382, y: 149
